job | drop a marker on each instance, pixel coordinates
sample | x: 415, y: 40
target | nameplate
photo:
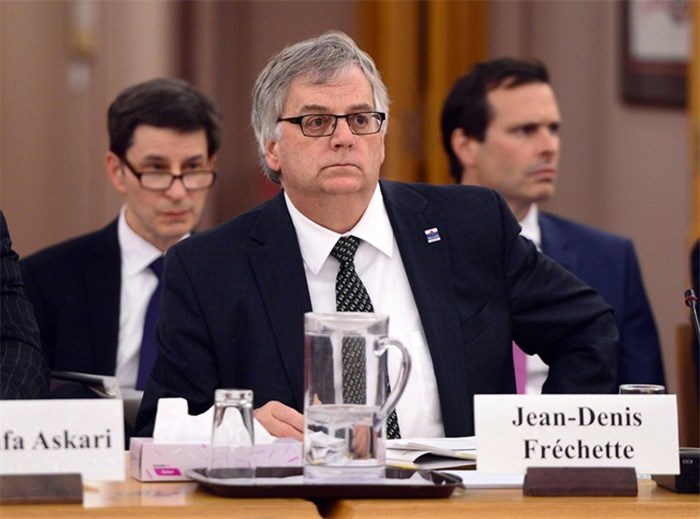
x: 514, y: 432
x: 83, y: 436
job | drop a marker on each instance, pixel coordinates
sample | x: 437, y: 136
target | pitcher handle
x: 380, y: 347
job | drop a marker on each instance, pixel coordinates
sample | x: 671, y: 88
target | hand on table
x: 280, y: 420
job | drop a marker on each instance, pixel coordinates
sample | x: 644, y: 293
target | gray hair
x: 321, y: 59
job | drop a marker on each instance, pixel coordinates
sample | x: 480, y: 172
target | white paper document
x: 432, y: 453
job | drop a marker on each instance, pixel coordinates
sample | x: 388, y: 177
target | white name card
x: 514, y: 432
x: 59, y: 436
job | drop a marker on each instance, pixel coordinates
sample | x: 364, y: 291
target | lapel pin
x: 432, y: 235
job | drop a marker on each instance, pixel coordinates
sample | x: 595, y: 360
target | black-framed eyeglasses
x: 157, y: 180
x: 322, y: 125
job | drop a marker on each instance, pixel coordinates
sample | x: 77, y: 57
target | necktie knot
x: 345, y: 248
x: 157, y: 266
x: 350, y: 294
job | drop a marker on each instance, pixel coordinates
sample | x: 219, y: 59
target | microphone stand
x: 691, y: 300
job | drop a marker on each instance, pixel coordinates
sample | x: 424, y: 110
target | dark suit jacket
x: 24, y: 371
x: 695, y: 275
x: 75, y: 288
x: 234, y: 298
x: 609, y: 264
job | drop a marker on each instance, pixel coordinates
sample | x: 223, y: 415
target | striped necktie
x: 351, y: 296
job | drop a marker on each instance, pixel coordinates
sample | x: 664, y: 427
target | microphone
x: 688, y: 480
x: 691, y: 300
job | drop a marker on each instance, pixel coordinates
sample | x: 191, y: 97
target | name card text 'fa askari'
x: 60, y: 436
x: 514, y: 432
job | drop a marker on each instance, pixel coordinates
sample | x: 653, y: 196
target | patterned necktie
x: 351, y: 296
x: 149, y: 349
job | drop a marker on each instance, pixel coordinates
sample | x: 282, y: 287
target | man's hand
x: 280, y: 420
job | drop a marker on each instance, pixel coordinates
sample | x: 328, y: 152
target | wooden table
x: 132, y: 498
x: 652, y: 501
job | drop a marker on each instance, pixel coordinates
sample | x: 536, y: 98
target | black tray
x: 288, y: 482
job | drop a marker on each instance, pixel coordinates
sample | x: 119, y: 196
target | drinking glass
x: 642, y: 389
x: 232, y: 437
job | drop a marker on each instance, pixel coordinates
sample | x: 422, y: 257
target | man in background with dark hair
x: 24, y: 371
x: 96, y: 295
x: 500, y: 128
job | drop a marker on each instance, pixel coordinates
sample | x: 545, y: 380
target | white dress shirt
x: 380, y: 267
x: 137, y: 286
x: 530, y: 227
x: 536, y: 368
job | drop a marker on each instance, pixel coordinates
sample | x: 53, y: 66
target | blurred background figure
x: 24, y: 370
x: 96, y: 296
x: 500, y: 129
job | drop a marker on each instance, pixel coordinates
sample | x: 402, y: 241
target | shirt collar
x: 137, y: 253
x: 316, y: 242
x: 531, y: 227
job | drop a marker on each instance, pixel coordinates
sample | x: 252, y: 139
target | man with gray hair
x: 446, y: 263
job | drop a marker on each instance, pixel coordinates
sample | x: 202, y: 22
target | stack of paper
x: 432, y: 453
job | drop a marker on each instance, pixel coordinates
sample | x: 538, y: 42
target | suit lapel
x: 276, y: 262
x: 275, y: 259
x: 556, y: 244
x: 429, y: 273
x: 103, y: 293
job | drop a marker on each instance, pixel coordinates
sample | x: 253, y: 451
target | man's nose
x: 177, y: 188
x: 548, y: 141
x: 342, y: 133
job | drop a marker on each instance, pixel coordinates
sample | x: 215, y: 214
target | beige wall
x: 53, y: 135
x: 53, y: 138
x: 624, y: 168
x: 242, y: 37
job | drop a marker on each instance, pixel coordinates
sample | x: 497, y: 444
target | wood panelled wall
x: 420, y: 49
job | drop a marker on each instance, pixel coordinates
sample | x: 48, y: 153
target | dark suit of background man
x: 695, y: 276
x: 446, y: 263
x: 24, y: 370
x: 500, y: 128
x: 91, y: 292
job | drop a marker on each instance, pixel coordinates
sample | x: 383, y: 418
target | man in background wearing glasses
x: 92, y: 293
x: 446, y: 263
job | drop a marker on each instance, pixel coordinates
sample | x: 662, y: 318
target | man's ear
x: 115, y: 172
x: 272, y: 155
x: 464, y: 147
x: 213, y: 160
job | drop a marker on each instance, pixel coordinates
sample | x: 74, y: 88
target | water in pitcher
x: 341, y: 443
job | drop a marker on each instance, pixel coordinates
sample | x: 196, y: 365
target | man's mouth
x: 543, y: 171
x: 175, y: 213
